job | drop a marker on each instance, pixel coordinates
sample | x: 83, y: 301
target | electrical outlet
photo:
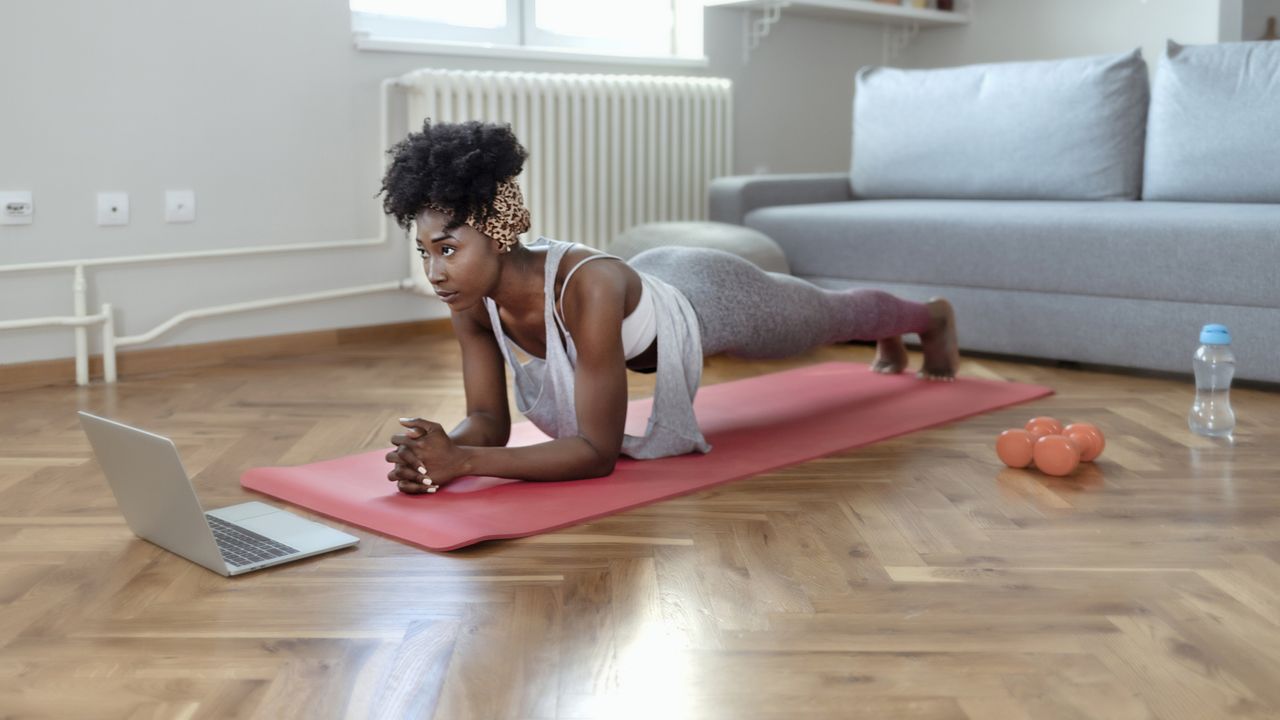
x: 113, y: 208
x: 179, y: 206
x: 16, y: 207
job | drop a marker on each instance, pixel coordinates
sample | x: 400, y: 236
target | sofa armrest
x: 732, y: 197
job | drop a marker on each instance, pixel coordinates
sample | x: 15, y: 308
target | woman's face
x: 461, y: 263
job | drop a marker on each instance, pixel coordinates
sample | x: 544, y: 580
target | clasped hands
x: 425, y: 457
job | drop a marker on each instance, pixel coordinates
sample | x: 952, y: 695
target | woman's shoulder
x: 585, y: 278
x: 592, y: 282
x: 577, y: 257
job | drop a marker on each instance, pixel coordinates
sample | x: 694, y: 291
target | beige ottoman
x: 744, y: 242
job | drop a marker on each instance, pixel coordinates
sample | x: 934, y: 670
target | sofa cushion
x: 1049, y: 130
x: 1214, y: 124
x: 1189, y: 252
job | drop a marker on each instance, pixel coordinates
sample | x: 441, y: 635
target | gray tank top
x: 544, y: 387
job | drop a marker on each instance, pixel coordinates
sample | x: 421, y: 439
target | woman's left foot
x: 891, y: 356
x: 939, y: 343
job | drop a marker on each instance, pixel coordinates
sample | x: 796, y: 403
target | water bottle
x: 1214, y: 366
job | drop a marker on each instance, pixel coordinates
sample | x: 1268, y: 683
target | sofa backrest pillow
x: 1213, y: 130
x: 1047, y: 130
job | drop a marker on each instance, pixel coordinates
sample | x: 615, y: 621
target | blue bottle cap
x: 1215, y: 334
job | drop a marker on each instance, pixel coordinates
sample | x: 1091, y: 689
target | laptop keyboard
x: 243, y: 547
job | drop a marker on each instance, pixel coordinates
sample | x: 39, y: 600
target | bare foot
x: 939, y: 343
x: 891, y: 356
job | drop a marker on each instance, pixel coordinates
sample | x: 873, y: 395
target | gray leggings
x: 750, y: 313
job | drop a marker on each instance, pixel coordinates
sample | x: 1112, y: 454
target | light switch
x: 16, y: 207
x: 113, y: 208
x: 179, y: 206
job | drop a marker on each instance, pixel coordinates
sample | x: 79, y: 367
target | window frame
x: 382, y: 33
x: 396, y: 26
x: 534, y: 36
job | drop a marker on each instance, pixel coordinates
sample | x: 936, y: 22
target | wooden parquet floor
x: 914, y: 578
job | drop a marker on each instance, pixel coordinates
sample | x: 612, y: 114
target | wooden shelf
x: 858, y: 10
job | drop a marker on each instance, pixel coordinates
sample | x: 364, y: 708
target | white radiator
x: 605, y: 151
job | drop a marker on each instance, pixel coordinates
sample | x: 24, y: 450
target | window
x: 651, y: 29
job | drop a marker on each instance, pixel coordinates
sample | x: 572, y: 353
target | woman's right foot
x: 940, y: 345
x: 891, y: 356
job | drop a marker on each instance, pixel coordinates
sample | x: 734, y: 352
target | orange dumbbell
x: 1056, y: 455
x: 1055, y: 450
x: 1015, y: 447
x: 1088, y: 437
x: 1041, y: 426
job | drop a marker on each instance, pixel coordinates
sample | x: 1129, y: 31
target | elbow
x: 602, y: 467
x: 495, y: 430
x: 602, y: 463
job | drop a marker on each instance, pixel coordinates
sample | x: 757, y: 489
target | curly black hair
x: 456, y: 166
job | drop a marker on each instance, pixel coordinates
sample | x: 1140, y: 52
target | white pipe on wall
x: 108, y: 343
x: 66, y: 321
x: 78, y: 290
x: 196, y: 255
x: 405, y: 284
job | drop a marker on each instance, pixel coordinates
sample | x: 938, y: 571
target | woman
x: 584, y: 318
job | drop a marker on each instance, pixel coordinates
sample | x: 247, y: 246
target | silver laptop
x: 157, y: 500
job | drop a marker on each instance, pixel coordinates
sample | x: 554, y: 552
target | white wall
x: 794, y: 99
x: 1230, y: 13
x: 270, y: 114
x: 1254, y: 14
x: 1004, y: 30
x: 1245, y: 20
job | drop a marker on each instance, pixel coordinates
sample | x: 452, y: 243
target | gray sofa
x: 1069, y: 209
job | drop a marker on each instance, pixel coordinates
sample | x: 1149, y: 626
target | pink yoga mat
x: 754, y: 426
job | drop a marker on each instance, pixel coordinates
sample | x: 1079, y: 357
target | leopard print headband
x: 508, y: 217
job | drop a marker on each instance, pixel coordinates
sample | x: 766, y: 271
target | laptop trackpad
x: 288, y: 528
x: 239, y: 513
